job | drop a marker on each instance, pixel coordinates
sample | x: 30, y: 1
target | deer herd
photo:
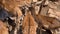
x: 29, y: 17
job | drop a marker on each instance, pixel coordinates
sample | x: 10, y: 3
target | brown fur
x: 12, y: 6
x: 50, y: 22
x: 3, y: 28
x: 29, y: 24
